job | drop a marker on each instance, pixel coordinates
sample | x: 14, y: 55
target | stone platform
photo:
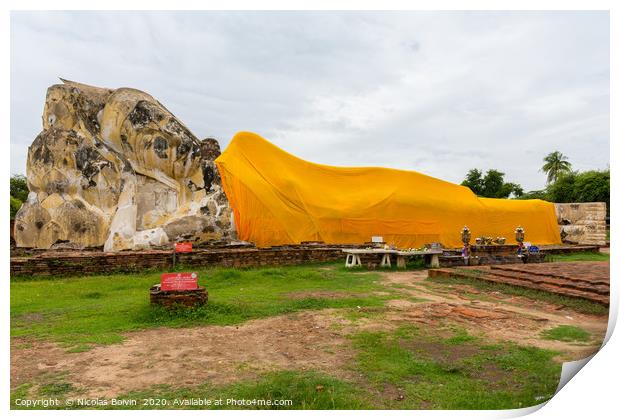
x: 507, y: 254
x: 586, y: 280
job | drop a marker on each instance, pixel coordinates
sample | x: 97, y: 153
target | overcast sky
x: 436, y: 92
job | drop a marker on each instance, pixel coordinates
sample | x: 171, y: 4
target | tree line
x: 564, y: 185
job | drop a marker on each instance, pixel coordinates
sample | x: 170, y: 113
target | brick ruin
x: 582, y: 223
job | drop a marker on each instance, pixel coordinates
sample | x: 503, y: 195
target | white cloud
x: 436, y: 92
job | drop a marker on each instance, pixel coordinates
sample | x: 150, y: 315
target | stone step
x: 526, y: 276
x: 552, y: 281
x: 595, y: 297
x: 525, y: 271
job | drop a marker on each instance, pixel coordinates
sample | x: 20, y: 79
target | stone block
x: 582, y: 223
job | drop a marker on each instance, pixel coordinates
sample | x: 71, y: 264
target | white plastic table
x: 353, y: 256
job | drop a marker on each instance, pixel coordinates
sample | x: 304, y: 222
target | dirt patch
x: 491, y: 314
x: 495, y: 375
x: 471, y: 312
x: 401, y: 304
x: 389, y: 392
x: 452, y: 355
x: 31, y: 360
x: 191, y: 356
x: 441, y: 352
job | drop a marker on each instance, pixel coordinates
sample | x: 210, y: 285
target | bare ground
x: 310, y: 340
x: 191, y: 356
x: 494, y: 315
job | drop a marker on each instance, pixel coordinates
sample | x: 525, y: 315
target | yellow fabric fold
x: 279, y: 199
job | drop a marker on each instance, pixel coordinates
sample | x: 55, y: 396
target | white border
x: 593, y: 393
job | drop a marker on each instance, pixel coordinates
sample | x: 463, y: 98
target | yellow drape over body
x: 278, y: 199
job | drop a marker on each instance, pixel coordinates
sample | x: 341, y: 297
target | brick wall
x: 78, y: 263
x: 582, y: 223
x: 68, y: 263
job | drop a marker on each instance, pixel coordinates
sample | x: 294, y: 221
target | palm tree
x: 555, y: 164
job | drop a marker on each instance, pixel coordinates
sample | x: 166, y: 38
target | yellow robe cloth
x: 278, y: 199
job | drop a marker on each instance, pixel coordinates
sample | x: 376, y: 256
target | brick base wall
x: 79, y: 263
x: 72, y: 263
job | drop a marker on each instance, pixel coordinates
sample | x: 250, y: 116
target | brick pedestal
x: 189, y: 298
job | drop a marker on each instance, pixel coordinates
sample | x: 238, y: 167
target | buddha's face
x: 149, y: 135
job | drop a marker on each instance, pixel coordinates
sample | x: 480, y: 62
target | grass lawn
x: 81, y: 311
x: 567, y: 333
x: 579, y: 256
x: 407, y: 367
x: 457, y: 372
x: 305, y: 390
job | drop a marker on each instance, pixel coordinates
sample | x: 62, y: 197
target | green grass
x: 305, y: 390
x: 568, y: 333
x: 55, y: 389
x: 459, y: 372
x: 578, y: 256
x: 580, y: 305
x: 79, y: 312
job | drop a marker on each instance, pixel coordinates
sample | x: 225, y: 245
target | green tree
x: 473, y: 180
x: 535, y: 194
x: 593, y: 186
x: 494, y: 184
x: 562, y: 190
x: 584, y: 187
x: 576, y: 187
x: 15, y: 205
x: 490, y: 185
x: 19, y: 187
x: 19, y: 193
x: 511, y: 188
x: 555, y: 165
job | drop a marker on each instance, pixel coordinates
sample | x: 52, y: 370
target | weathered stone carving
x: 582, y: 223
x: 116, y: 168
